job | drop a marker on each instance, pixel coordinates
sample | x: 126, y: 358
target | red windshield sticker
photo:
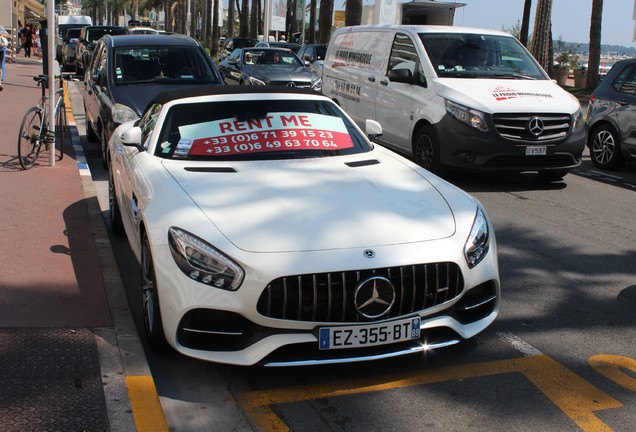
x: 275, y: 132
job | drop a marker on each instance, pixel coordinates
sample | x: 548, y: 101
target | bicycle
x: 34, y: 133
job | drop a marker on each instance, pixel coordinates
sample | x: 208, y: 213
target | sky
x: 570, y: 18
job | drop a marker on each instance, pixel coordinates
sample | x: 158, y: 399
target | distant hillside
x: 584, y: 48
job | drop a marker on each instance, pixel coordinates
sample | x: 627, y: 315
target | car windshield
x: 456, y: 55
x: 272, y: 57
x: 95, y: 34
x: 261, y: 129
x: 73, y: 34
x: 162, y: 64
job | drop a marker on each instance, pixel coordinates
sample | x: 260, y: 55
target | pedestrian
x: 4, y: 44
x: 27, y: 40
x: 283, y: 38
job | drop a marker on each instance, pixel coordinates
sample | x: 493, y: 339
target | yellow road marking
x: 67, y: 104
x: 144, y: 401
x: 610, y: 366
x: 576, y: 397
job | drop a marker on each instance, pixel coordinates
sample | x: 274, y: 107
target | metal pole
x: 189, y: 17
x: 51, y: 31
x: 267, y: 20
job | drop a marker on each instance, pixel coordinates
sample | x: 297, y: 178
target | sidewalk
x: 69, y: 352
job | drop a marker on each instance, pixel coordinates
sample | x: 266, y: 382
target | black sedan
x: 268, y: 66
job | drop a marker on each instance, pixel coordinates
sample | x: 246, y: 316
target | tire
x: 91, y: 135
x: 116, y: 223
x: 605, y: 148
x: 426, y: 149
x: 29, y: 138
x: 104, y: 145
x: 552, y: 176
x: 150, y: 300
x: 62, y: 138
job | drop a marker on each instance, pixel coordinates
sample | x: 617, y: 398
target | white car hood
x: 308, y: 205
x: 506, y: 95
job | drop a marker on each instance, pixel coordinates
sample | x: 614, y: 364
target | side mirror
x: 372, y: 128
x: 401, y: 75
x: 232, y: 61
x: 131, y: 137
x: 306, y: 63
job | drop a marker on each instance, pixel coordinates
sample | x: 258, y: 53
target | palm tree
x: 591, y: 82
x: 325, y: 20
x: 542, y: 35
x: 312, y: 20
x: 353, y: 12
x: 525, y: 23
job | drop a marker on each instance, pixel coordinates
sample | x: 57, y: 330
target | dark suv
x: 611, y: 117
x: 87, y: 41
x: 126, y: 72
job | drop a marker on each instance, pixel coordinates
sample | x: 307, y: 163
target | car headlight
x: 256, y: 81
x: 578, y: 118
x: 469, y: 116
x: 122, y: 113
x: 317, y: 85
x: 202, y: 262
x: 478, y: 240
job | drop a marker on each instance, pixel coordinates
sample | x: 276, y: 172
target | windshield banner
x: 274, y: 132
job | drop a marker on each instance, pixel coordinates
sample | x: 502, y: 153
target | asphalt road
x: 561, y: 355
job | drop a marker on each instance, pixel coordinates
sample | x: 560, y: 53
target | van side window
x: 403, y: 55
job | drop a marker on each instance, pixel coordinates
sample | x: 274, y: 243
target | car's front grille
x: 328, y: 297
x: 533, y: 128
x: 299, y: 84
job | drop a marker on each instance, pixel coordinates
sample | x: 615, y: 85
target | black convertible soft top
x: 170, y: 95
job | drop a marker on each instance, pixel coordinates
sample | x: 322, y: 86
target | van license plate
x: 369, y: 334
x: 536, y: 151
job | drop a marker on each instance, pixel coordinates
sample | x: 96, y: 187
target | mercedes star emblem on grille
x: 368, y: 253
x: 374, y: 297
x: 535, y: 126
x: 291, y: 84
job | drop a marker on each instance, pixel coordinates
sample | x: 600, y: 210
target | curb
x: 131, y: 397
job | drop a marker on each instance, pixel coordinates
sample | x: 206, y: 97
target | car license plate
x: 365, y: 335
x: 536, y: 151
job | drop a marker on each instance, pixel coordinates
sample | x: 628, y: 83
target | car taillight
x: 592, y: 99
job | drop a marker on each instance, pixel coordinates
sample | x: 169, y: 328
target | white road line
x: 525, y: 348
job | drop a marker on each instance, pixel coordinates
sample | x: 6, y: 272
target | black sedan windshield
x: 162, y: 64
x: 258, y: 129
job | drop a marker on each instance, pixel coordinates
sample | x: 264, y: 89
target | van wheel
x: 605, y: 148
x: 426, y: 149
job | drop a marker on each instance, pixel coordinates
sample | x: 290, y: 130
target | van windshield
x: 457, y: 55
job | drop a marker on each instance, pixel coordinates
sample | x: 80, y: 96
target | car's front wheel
x: 116, y: 223
x: 150, y: 300
x: 426, y: 149
x: 605, y: 148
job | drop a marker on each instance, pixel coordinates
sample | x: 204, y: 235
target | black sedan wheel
x: 150, y: 300
x: 605, y: 148
x: 115, y: 215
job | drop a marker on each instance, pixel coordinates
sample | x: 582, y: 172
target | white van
x: 460, y: 98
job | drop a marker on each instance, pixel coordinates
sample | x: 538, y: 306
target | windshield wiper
x: 513, y: 75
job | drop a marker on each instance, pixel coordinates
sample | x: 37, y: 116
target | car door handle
x: 384, y: 82
x: 622, y: 102
x: 371, y: 79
